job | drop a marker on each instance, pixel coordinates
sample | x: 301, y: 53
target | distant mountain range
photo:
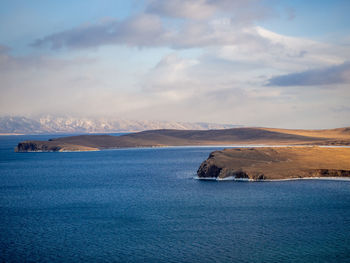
x: 53, y: 124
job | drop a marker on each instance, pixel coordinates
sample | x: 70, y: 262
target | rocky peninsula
x: 276, y: 163
x: 161, y: 138
x: 51, y: 146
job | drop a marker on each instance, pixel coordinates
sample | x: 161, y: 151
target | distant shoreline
x: 234, y: 137
x: 10, y: 134
x: 188, y: 147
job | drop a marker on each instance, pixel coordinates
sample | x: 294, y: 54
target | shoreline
x: 64, y: 151
x: 195, y: 146
x: 282, y: 163
x: 270, y: 180
x: 11, y: 134
x: 254, y: 137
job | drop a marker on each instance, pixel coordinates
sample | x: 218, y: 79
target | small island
x: 276, y: 163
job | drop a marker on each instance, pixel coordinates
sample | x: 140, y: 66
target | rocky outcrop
x: 38, y: 146
x: 32, y: 146
x: 275, y: 163
x: 209, y: 170
x: 329, y: 173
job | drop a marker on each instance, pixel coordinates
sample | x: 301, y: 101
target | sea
x: 144, y: 205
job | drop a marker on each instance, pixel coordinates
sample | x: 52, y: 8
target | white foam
x: 232, y: 178
x: 71, y: 151
x: 229, y: 178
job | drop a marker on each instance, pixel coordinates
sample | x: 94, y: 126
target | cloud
x: 200, y: 26
x: 196, y: 9
x: 148, y: 31
x: 32, y: 84
x: 4, y: 49
x: 242, y: 11
x: 216, y: 69
x: 141, y: 30
x: 341, y: 109
x: 10, y: 63
x: 338, y: 74
x: 220, y: 38
x: 291, y: 49
x: 177, y: 88
x: 172, y: 72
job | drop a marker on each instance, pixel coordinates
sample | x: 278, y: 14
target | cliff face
x: 270, y: 163
x: 32, y: 146
x: 209, y: 169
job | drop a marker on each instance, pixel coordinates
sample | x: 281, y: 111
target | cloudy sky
x: 274, y: 63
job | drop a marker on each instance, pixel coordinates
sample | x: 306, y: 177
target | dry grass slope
x: 277, y: 163
x: 235, y: 136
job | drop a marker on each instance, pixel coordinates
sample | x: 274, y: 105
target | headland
x: 276, y: 163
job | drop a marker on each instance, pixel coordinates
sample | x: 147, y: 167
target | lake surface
x: 143, y: 205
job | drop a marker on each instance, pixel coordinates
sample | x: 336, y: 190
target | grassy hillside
x: 158, y: 138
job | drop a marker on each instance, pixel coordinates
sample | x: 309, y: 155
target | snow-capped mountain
x: 53, y: 124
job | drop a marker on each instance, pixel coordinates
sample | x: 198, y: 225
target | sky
x: 270, y: 63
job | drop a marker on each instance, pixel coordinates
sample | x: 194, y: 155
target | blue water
x: 142, y: 205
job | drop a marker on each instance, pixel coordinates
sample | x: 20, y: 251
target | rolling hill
x: 161, y: 138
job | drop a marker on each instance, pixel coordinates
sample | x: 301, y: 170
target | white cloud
x: 226, y: 82
x: 171, y: 72
x: 339, y: 74
x: 195, y: 9
x: 140, y: 30
x: 242, y: 11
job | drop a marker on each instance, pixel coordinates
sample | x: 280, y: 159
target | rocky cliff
x: 39, y: 146
x: 272, y: 163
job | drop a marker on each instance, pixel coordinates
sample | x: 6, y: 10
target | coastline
x: 270, y: 180
x: 282, y: 163
x: 197, y: 146
x: 235, y: 137
x: 11, y: 134
x: 63, y: 151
